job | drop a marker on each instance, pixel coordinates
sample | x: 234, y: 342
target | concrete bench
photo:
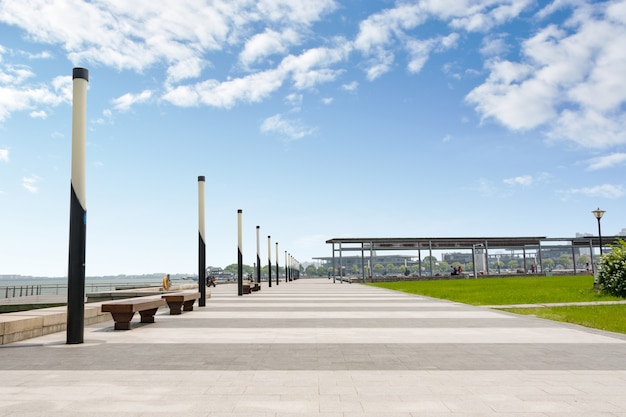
x: 181, y: 299
x: 124, y: 310
x: 249, y: 287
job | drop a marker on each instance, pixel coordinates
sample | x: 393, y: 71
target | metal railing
x: 13, y: 291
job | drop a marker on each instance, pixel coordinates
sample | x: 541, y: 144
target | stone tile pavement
x: 314, y: 348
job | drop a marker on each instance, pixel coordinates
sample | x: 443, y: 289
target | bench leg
x: 122, y: 320
x: 147, y: 316
x: 175, y: 307
x: 188, y: 306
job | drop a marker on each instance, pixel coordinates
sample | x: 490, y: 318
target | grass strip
x: 502, y: 291
x: 607, y: 317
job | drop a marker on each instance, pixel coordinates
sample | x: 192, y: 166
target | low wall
x: 23, y: 325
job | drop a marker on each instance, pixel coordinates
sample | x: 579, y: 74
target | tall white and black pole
x: 286, y: 267
x: 269, y: 260
x: 289, y: 267
x: 258, y: 256
x: 78, y: 211
x: 201, y: 244
x: 239, y: 256
x: 277, y: 271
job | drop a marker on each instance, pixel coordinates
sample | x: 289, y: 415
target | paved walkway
x: 314, y: 348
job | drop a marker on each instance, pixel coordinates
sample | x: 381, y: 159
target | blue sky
x: 318, y: 119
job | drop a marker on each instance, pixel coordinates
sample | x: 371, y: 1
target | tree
x: 321, y: 271
x: 247, y: 269
x: 612, y: 270
x: 355, y: 269
x: 232, y: 268
x: 564, y: 261
x: 311, y: 270
x: 427, y: 259
x: 513, y: 263
x: 498, y: 263
x: 548, y: 263
x: 390, y: 268
x: 582, y: 259
x: 378, y: 269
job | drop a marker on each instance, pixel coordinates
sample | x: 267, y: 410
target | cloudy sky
x: 319, y: 119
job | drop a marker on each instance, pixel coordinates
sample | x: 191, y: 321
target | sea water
x: 17, y: 286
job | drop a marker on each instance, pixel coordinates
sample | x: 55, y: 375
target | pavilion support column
x: 333, y: 263
x: 430, y: 256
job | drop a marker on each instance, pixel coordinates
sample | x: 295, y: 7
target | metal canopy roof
x: 462, y: 242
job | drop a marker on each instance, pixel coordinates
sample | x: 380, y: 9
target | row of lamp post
x: 292, y: 266
x: 291, y: 263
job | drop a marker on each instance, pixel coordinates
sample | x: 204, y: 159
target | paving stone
x: 314, y: 348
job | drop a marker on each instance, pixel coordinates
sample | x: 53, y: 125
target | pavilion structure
x: 480, y: 248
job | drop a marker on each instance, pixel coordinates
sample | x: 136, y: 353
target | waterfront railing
x: 13, y: 291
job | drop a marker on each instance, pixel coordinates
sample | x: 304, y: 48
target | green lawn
x: 501, y: 291
x: 607, y: 317
x: 527, y: 290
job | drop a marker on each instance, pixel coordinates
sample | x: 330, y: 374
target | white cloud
x: 185, y: 69
x: 14, y: 99
x: 301, y: 12
x: 137, y: 35
x: 40, y: 55
x: 40, y: 114
x: 494, y: 45
x: 524, y: 180
x: 4, y: 155
x: 327, y: 100
x: 30, y: 183
x: 294, y: 99
x: 312, y: 66
x: 292, y: 129
x: 480, y: 16
x: 608, y: 161
x: 604, y: 191
x: 267, y: 43
x: 419, y: 50
x: 379, y: 33
x: 305, y: 70
x: 14, y: 74
x: 379, y: 29
x: 570, y: 80
x: 351, y: 87
x: 249, y: 89
x: 125, y: 102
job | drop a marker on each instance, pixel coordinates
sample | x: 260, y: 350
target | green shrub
x: 612, y: 270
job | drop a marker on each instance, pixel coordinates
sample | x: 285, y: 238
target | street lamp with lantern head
x: 598, y: 215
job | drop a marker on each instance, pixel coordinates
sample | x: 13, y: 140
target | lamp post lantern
x: 598, y: 215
